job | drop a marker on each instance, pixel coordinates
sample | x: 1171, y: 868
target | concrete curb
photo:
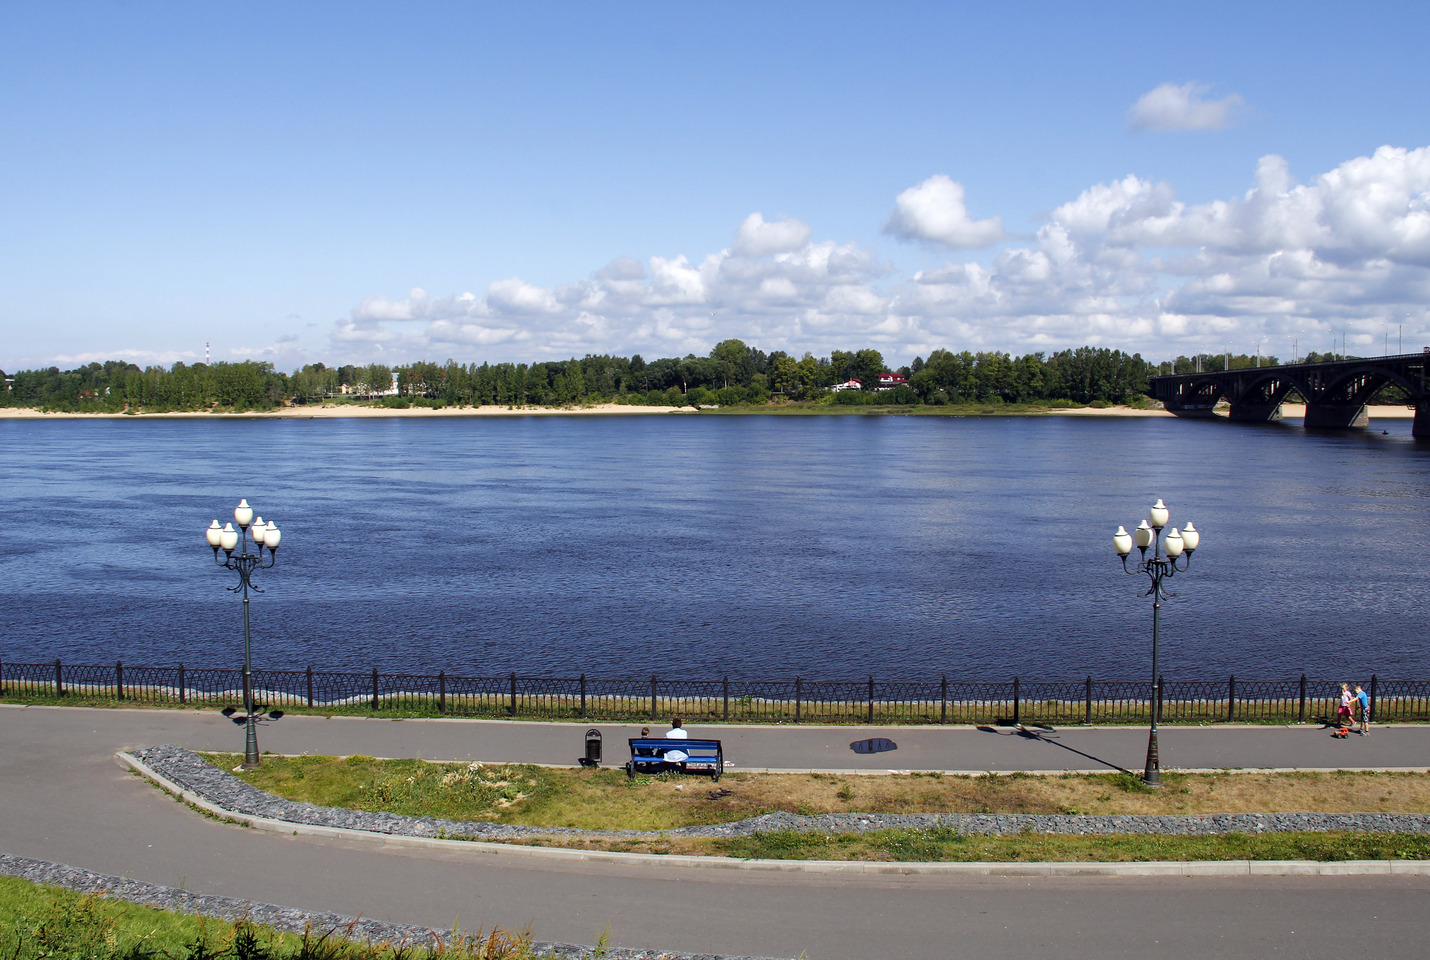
x: 1210, y: 868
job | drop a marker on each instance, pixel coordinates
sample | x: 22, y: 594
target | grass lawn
x: 607, y: 799
x: 38, y: 921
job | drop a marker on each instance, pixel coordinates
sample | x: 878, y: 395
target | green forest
x: 734, y: 374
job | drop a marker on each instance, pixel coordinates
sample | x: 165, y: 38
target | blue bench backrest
x: 699, y: 754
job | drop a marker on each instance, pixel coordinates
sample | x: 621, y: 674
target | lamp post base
x: 1152, y: 777
x: 250, y: 747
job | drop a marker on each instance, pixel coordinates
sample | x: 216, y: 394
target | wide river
x: 830, y: 547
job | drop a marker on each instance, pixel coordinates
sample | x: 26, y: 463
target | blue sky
x: 358, y: 182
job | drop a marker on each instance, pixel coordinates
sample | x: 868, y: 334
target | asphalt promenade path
x: 64, y: 798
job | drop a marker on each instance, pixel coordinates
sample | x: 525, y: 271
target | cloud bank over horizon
x: 1125, y: 264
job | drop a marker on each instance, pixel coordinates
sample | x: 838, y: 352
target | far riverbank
x: 1290, y: 411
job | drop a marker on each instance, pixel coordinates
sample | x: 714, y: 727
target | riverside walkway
x: 66, y: 800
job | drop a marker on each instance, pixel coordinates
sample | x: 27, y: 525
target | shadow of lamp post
x: 1178, y: 546
x: 228, y: 539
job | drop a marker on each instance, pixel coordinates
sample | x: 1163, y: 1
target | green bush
x: 852, y: 398
x: 901, y: 395
x: 730, y: 396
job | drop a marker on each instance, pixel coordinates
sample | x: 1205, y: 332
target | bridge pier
x: 1336, y: 415
x: 1421, y: 426
x: 1254, y: 412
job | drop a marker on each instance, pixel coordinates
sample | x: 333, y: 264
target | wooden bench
x: 649, y: 755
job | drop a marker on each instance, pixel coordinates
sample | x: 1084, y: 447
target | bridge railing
x: 935, y: 700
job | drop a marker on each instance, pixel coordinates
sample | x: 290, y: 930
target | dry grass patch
x: 1310, y: 792
x: 606, y: 799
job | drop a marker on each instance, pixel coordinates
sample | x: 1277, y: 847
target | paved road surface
x: 65, y: 799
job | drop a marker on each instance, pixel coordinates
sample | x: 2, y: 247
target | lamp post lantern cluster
x: 227, y: 539
x: 1178, y: 545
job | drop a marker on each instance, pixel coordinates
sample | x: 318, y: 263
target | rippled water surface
x: 760, y: 546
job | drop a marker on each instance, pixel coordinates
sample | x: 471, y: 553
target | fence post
x: 871, y: 698
x: 183, y: 688
x: 798, y: 697
x: 1087, y: 716
x: 943, y: 700
x: 374, y: 689
x: 513, y: 694
x: 1301, y: 712
x: 1231, y: 699
x: 1016, y: 718
x: 2, y: 677
x: 59, y: 679
x: 119, y: 679
x: 1373, y: 685
x: 726, y: 697
x: 653, y: 693
x: 441, y: 691
x: 310, y: 684
x: 583, y: 696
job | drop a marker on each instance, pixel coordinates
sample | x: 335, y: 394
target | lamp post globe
x: 226, y: 538
x: 1178, y: 547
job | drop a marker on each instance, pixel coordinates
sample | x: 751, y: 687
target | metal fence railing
x: 798, y: 700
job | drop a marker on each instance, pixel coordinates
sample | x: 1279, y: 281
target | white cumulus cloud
x: 933, y: 211
x: 757, y: 238
x: 1183, y: 106
x: 515, y: 296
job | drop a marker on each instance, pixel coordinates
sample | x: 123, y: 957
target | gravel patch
x: 194, y: 773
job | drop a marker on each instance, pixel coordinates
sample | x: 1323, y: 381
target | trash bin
x: 593, y: 749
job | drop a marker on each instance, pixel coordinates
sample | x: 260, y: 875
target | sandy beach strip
x: 323, y: 411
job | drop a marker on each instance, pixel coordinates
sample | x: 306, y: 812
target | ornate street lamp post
x: 1178, y: 545
x: 227, y: 539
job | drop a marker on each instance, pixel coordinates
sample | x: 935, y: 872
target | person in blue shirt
x: 1364, y: 704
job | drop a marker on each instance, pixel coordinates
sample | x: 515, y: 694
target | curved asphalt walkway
x: 66, y: 800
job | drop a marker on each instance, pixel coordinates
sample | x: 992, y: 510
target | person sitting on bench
x: 676, y: 732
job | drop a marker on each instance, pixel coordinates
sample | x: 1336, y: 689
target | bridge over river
x: 1336, y: 391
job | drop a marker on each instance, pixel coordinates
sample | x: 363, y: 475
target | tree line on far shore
x: 733, y: 374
